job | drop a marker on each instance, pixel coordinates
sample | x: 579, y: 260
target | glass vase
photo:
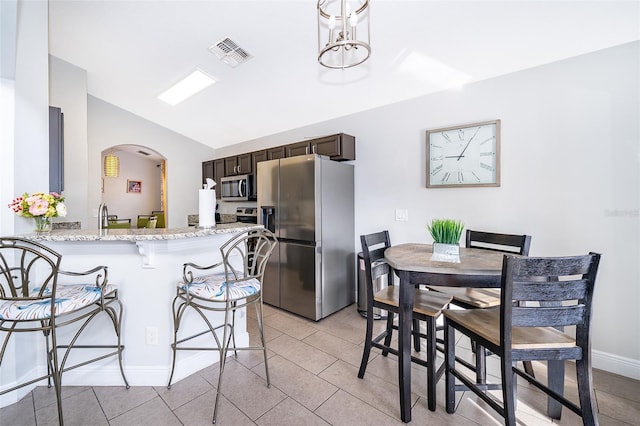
x: 43, y: 224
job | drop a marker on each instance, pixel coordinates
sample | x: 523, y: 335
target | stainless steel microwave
x: 237, y: 188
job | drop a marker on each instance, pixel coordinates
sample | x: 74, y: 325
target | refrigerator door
x: 299, y: 211
x: 300, y: 283
x: 268, y: 172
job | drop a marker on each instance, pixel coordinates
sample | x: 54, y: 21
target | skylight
x: 187, y: 87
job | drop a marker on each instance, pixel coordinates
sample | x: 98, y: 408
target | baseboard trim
x: 616, y: 364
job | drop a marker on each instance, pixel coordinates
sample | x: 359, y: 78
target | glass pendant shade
x: 111, y: 165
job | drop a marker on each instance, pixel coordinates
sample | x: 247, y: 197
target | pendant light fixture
x: 111, y: 165
x: 340, y: 46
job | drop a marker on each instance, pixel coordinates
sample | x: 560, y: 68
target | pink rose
x: 38, y: 208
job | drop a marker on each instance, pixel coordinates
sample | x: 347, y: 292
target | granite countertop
x: 143, y: 234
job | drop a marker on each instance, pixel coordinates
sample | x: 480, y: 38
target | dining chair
x: 33, y: 300
x: 145, y: 221
x: 427, y: 306
x: 159, y: 214
x: 481, y: 298
x: 237, y: 283
x: 558, y: 292
x: 119, y: 223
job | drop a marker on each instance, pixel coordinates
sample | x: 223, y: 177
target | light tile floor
x: 313, y: 368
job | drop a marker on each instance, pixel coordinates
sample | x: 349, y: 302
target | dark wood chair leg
x: 555, y: 377
x: 586, y: 392
x: 481, y: 364
x: 431, y: 364
x: 387, y: 339
x: 528, y: 368
x: 449, y: 359
x: 367, y: 343
x: 416, y: 335
x: 508, y: 390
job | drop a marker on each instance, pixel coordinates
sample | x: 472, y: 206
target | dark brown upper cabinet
x: 340, y: 147
x: 275, y: 153
x: 238, y: 165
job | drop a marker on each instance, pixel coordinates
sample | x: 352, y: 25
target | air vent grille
x: 229, y: 52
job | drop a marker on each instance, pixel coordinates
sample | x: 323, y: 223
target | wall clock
x: 464, y: 156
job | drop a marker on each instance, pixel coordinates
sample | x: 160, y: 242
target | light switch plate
x: 402, y: 215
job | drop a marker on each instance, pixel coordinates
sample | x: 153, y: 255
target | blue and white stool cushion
x: 214, y: 287
x: 69, y: 298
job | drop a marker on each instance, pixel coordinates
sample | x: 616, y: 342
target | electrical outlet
x: 152, y: 335
x: 402, y: 215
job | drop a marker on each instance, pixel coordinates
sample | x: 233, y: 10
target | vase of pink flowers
x: 41, y: 207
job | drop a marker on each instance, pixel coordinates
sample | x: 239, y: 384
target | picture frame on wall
x: 134, y: 186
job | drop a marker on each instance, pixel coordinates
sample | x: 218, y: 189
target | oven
x: 247, y: 215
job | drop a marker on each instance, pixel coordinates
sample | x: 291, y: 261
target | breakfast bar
x: 145, y: 265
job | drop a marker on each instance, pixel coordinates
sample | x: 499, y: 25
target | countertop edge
x: 135, y: 235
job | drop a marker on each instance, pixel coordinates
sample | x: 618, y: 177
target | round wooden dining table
x: 477, y: 268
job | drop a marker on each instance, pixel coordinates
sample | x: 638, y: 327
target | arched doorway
x: 140, y: 185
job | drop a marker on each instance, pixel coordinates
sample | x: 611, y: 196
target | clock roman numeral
x: 486, y: 166
x: 487, y: 140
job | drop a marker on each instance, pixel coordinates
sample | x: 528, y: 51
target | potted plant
x: 446, y: 236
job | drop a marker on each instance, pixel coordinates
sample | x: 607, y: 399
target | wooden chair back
x: 508, y: 243
x: 373, y: 247
x: 563, y: 286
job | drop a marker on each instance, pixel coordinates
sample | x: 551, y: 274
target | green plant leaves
x: 446, y: 231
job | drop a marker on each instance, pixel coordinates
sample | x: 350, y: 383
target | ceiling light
x: 340, y: 46
x: 111, y: 165
x: 187, y: 87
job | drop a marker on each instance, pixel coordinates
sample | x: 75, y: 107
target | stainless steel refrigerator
x: 307, y: 201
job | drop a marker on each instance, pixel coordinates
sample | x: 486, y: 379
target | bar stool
x: 32, y: 300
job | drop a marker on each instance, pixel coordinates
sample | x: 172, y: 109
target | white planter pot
x: 446, y: 253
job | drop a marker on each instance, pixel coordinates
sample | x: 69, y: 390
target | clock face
x: 464, y: 156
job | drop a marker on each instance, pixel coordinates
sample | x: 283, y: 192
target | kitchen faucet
x: 103, y: 217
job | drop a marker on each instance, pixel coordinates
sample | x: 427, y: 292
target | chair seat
x: 486, y: 323
x: 474, y: 297
x: 213, y: 287
x: 429, y: 303
x: 69, y: 298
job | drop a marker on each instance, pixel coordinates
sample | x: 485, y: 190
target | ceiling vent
x: 229, y: 52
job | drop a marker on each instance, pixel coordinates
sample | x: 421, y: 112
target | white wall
x: 130, y: 205
x: 570, y: 174
x: 24, y: 151
x: 109, y: 126
x: 68, y: 91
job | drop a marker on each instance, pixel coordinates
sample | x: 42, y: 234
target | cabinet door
x: 207, y: 171
x: 277, y: 152
x: 299, y: 148
x: 230, y: 166
x: 218, y: 174
x: 256, y: 157
x: 244, y: 164
x: 338, y: 147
